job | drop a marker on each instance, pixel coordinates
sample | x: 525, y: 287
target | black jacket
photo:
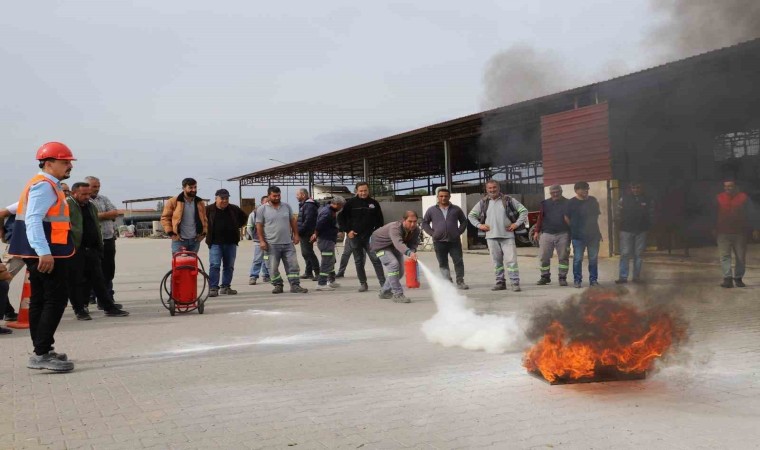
x: 236, y: 217
x: 362, y: 216
x: 307, y: 217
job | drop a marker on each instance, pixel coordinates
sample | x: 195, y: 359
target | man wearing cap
x: 184, y: 218
x: 224, y: 223
x: 553, y: 233
x: 41, y: 236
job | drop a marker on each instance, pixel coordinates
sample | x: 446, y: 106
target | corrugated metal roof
x: 576, y: 145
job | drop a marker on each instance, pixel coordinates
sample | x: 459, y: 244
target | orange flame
x: 608, y: 333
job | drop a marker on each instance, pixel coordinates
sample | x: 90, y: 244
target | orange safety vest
x: 56, y: 225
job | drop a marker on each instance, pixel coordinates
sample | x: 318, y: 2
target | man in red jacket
x: 737, y: 217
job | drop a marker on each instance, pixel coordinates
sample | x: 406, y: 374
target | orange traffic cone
x: 23, y: 309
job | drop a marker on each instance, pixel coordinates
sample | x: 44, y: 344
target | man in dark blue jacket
x: 307, y: 222
x: 361, y: 216
x: 448, y: 223
x: 326, y: 235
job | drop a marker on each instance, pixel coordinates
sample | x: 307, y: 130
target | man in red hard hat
x: 41, y: 236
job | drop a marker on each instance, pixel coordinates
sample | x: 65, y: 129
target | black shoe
x: 297, y: 289
x: 116, y: 313
x: 737, y: 282
x: 577, y: 284
x: 83, y: 315
x: 621, y: 281
x: 306, y: 276
x: 340, y: 275
x: 462, y: 285
x: 594, y: 283
x: 363, y: 287
x: 11, y: 317
x: 93, y: 300
x: 115, y: 305
x: 385, y: 295
x: 563, y: 282
x: 727, y: 283
x: 499, y: 287
x: 5, y: 330
x: 543, y: 281
x: 277, y: 289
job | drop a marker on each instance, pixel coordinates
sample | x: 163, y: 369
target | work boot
x: 50, y: 362
x: 297, y: 289
x: 226, y: 290
x: 213, y: 292
x: 499, y: 287
x: 61, y: 356
x: 325, y: 287
x: 577, y: 284
x: 11, y: 317
x: 461, y: 285
x: 385, y: 295
x: 621, y: 281
x: 516, y: 287
x: 727, y: 283
x: 363, y: 287
x: 739, y: 283
x: 563, y: 281
x: 252, y: 281
x: 82, y: 315
x: 277, y: 289
x: 115, y: 305
x: 543, y: 281
x: 116, y: 313
x: 306, y: 276
x: 594, y: 283
x: 401, y: 298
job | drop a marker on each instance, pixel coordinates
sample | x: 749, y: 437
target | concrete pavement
x: 348, y: 370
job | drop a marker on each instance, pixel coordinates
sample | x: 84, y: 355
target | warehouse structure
x: 679, y: 128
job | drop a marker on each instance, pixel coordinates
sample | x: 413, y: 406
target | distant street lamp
x: 287, y: 188
x: 216, y: 179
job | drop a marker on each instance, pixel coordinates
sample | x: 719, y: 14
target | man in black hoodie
x: 360, y: 217
x: 307, y: 222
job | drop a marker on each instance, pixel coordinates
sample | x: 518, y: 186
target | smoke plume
x: 456, y: 325
x: 696, y: 26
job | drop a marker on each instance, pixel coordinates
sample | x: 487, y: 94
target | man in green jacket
x: 86, y: 269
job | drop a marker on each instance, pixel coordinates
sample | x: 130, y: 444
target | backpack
x: 512, y: 214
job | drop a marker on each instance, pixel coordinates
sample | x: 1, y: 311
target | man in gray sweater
x: 391, y: 243
x: 492, y: 215
x: 448, y: 223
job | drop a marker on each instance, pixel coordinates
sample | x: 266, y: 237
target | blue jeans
x: 191, y: 245
x: 219, y: 254
x: 579, y: 247
x: 258, y: 266
x: 632, y: 245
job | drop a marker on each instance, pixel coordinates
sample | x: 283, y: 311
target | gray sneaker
x: 385, y: 295
x: 213, y: 292
x: 516, y: 287
x: 333, y: 284
x: 363, y: 287
x: 325, y: 287
x: 49, y: 361
x: 297, y: 289
x: 401, y: 298
x: 462, y: 285
x: 252, y: 281
x: 226, y: 290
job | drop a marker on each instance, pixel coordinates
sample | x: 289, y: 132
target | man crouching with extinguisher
x: 389, y: 243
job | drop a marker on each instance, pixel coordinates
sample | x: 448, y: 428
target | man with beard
x: 184, y: 218
x: 41, y: 236
x: 391, y: 243
x: 499, y: 216
x: 445, y: 223
x: 107, y: 214
x: 326, y: 235
x: 278, y: 235
x: 360, y: 217
x: 86, y: 272
x: 582, y: 214
x: 553, y: 233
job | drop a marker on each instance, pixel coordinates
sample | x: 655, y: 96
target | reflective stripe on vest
x: 56, y: 220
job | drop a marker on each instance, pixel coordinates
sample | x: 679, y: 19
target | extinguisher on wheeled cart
x: 179, y: 287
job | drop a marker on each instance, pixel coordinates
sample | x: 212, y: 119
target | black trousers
x: 309, y: 257
x: 87, y: 275
x: 4, y: 300
x: 360, y: 246
x: 47, y: 302
x: 109, y: 262
x: 346, y: 256
x: 442, y: 252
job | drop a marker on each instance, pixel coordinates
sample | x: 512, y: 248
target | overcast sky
x: 148, y: 92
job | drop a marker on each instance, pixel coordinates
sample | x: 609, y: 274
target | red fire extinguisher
x: 185, y: 277
x: 412, y: 279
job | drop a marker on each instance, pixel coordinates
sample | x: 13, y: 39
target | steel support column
x: 447, y: 164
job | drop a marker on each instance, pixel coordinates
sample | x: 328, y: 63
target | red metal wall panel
x: 576, y: 145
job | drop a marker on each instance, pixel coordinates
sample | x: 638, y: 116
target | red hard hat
x: 55, y: 150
